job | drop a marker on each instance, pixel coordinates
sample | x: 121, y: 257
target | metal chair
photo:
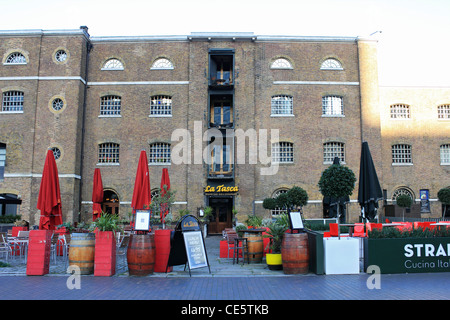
x: 5, y: 247
x: 241, y: 244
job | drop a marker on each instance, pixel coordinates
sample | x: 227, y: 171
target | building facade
x: 210, y: 107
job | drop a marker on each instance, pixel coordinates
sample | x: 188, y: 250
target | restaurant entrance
x: 222, y: 214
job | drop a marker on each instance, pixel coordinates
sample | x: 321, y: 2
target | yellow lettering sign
x: 221, y: 189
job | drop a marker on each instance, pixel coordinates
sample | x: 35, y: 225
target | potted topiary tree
x: 404, y: 201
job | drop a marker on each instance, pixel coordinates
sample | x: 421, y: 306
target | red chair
x: 358, y: 230
x: 334, y: 230
x: 371, y: 226
x: 326, y: 234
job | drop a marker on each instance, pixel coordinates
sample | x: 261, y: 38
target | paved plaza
x: 226, y: 281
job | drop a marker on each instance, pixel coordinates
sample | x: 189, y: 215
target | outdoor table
x: 255, y: 244
x: 393, y: 224
x: 22, y: 243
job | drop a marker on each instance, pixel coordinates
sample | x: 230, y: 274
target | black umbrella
x: 336, y: 203
x: 369, y: 192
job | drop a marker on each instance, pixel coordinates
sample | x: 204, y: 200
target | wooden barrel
x: 82, y: 252
x: 141, y: 254
x: 255, y: 246
x: 294, y: 253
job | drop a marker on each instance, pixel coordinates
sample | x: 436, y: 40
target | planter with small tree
x: 275, y: 233
x: 404, y: 201
x: 444, y: 198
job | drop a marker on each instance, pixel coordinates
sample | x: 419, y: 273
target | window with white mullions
x: 282, y: 105
x: 159, y: 153
x: 332, y: 106
x: 110, y: 105
x: 332, y: 150
x: 161, y: 106
x: 16, y: 58
x: 12, y: 101
x: 283, y: 152
x: 400, y: 111
x: 401, y: 154
x: 108, y: 153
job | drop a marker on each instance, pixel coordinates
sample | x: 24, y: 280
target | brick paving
x: 225, y: 282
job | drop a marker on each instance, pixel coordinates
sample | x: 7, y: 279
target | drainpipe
x: 83, y: 118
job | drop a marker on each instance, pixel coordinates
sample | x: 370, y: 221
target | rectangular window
x: 12, y: 101
x: 283, y: 152
x: 221, y: 111
x: 401, y: 154
x: 444, y: 112
x: 159, y: 153
x: 445, y: 154
x: 2, y: 160
x: 110, y: 106
x: 108, y: 153
x: 221, y: 159
x: 160, y: 106
x: 332, y: 150
x: 221, y: 62
x: 282, y: 105
x: 332, y: 106
x: 400, y: 111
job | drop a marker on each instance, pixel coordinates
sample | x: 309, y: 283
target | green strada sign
x: 408, y: 255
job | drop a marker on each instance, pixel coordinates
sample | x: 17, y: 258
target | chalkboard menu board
x: 195, y: 249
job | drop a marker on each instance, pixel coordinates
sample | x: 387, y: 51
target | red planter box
x: 105, y: 254
x: 38, y: 259
x: 162, y: 250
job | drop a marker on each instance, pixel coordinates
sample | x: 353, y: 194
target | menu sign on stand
x: 188, y: 234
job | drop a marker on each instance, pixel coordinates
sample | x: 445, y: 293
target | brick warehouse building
x: 99, y: 101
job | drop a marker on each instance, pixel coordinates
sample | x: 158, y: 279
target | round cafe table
x: 255, y: 244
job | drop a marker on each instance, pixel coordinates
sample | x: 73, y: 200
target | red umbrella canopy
x: 97, y: 195
x: 141, y: 192
x: 165, y: 181
x: 49, y: 199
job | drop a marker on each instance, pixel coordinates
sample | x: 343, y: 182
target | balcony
x: 221, y: 73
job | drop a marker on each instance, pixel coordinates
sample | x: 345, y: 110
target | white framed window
x: 281, y: 63
x: 444, y: 112
x: 401, y: 154
x: 278, y: 211
x: 110, y: 105
x: 160, y: 106
x: 113, y: 64
x: 331, y: 64
x: 332, y: 106
x: 159, y: 153
x: 332, y: 150
x: 162, y: 64
x: 445, y: 154
x: 283, y: 152
x: 16, y: 58
x: 108, y: 153
x: 400, y: 111
x: 282, y: 105
x: 12, y: 101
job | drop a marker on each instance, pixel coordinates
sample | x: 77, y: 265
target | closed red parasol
x: 165, y: 186
x: 141, y: 193
x: 49, y: 199
x: 97, y: 195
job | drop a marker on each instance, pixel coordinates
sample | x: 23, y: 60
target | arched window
x: 281, y: 63
x: 401, y: 191
x: 16, y: 58
x: 113, y: 64
x: 277, y: 211
x: 162, y: 63
x: 111, y: 203
x: 331, y: 64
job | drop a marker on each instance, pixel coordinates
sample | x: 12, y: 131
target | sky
x: 413, y: 35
